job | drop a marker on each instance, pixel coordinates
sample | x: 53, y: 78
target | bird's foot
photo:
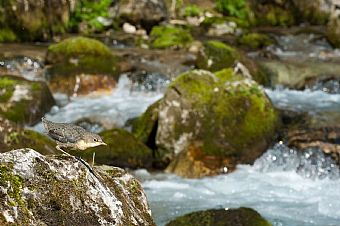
x: 64, y: 152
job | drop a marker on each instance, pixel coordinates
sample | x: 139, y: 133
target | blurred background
x: 211, y: 104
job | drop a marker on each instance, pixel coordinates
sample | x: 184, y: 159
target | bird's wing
x: 64, y: 134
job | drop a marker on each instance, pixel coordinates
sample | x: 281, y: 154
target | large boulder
x: 24, y: 101
x: 15, y: 137
x: 60, y: 190
x: 333, y: 26
x: 122, y: 150
x: 221, y: 217
x: 34, y: 19
x: 80, y: 62
x: 211, y: 121
x: 142, y: 12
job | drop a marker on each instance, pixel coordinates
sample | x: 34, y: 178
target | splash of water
x: 287, y: 187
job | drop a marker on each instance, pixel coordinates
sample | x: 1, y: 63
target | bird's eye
x: 95, y: 140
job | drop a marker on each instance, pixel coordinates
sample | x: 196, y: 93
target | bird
x: 68, y: 135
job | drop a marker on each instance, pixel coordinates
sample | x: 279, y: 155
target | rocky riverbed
x: 214, y: 106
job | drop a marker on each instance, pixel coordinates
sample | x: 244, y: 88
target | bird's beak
x: 104, y: 144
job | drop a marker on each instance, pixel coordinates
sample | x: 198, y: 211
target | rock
x: 123, y: 150
x: 14, y: 137
x: 60, y: 190
x: 142, y: 12
x: 221, y: 217
x: 219, y: 120
x: 24, y: 101
x: 298, y: 75
x: 273, y: 13
x: 216, y: 55
x: 81, y: 65
x: 168, y: 36
x: 255, y: 41
x: 34, y: 20
x: 145, y: 126
x: 333, y: 26
x: 314, y: 12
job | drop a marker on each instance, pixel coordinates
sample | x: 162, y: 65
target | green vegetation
x: 7, y: 35
x: 88, y: 11
x: 169, y: 36
x: 235, y: 8
x: 13, y: 184
x: 192, y: 11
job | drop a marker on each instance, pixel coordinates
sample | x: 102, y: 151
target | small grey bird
x: 71, y: 136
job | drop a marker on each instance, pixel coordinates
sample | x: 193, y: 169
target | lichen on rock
x: 23, y: 101
x: 40, y: 190
x: 219, y: 119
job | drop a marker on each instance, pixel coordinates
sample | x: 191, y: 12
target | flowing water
x: 287, y: 187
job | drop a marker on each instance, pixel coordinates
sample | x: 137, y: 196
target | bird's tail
x: 45, y: 123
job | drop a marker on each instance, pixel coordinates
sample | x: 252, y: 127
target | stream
x: 285, y: 186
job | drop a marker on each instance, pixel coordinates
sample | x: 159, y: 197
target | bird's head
x: 93, y: 140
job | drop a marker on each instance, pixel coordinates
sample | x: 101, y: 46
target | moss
x: 7, y: 35
x: 145, y: 125
x: 6, y: 88
x: 123, y: 150
x: 216, y: 56
x: 192, y: 11
x: 236, y: 8
x: 221, y: 217
x: 28, y: 109
x: 276, y: 16
x: 81, y: 55
x: 13, y: 184
x: 226, y: 106
x: 169, y: 36
x: 255, y: 40
x: 210, y: 21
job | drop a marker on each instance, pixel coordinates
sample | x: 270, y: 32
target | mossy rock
x: 7, y: 35
x: 333, y: 32
x: 215, y: 20
x: 122, y: 150
x: 216, y: 55
x: 145, y: 126
x: 32, y: 21
x: 169, y: 36
x: 221, y: 217
x: 14, y: 137
x: 59, y: 190
x: 221, y: 116
x: 24, y: 101
x: 255, y: 41
x: 80, y: 55
x: 274, y: 14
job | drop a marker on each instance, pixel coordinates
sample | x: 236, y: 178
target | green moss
x: 145, y: 125
x: 214, y: 20
x: 79, y: 54
x: 123, y: 150
x: 232, y: 107
x: 13, y: 184
x: 255, y: 40
x: 216, y: 56
x: 7, y: 35
x: 276, y: 16
x: 221, y: 217
x: 236, y: 8
x: 192, y: 11
x: 168, y: 36
x: 6, y: 88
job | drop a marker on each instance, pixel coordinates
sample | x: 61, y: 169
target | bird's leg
x: 58, y: 147
x: 93, y: 156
